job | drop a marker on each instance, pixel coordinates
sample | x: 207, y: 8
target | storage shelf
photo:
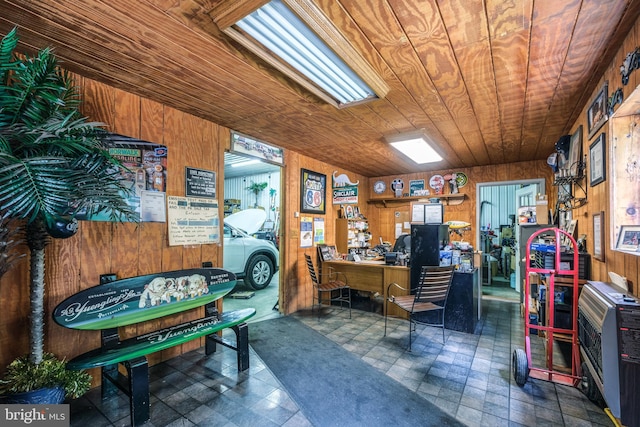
x: 446, y: 199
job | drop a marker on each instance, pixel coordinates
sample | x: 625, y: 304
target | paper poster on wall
x: 417, y: 213
x: 145, y: 169
x: 398, y: 229
x: 306, y: 232
x: 192, y: 221
x: 153, y: 206
x: 318, y: 231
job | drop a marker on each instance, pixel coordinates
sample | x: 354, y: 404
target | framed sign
x: 597, y: 163
x: 598, y: 236
x: 629, y: 238
x: 597, y: 114
x: 200, y: 183
x: 433, y: 213
x: 313, y: 187
x: 246, y: 145
x: 575, y: 153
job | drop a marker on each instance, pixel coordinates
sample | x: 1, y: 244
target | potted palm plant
x: 257, y: 188
x: 53, y: 164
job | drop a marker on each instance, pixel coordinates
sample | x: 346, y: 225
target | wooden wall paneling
x: 214, y: 150
x: 61, y: 281
x: 14, y: 300
x: 127, y: 114
x: 291, y: 233
x: 631, y: 273
x: 98, y: 100
x: 95, y: 259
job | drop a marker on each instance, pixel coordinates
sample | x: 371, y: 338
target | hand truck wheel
x: 520, y: 365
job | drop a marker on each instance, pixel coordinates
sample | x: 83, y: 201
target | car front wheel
x: 259, y: 272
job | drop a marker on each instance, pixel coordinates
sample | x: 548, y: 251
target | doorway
x: 497, y: 226
x: 252, y: 186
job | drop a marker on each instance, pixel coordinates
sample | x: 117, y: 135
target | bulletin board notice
x: 192, y: 221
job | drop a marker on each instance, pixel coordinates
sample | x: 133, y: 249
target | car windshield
x: 229, y: 230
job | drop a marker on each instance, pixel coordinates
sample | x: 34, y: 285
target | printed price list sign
x: 193, y: 221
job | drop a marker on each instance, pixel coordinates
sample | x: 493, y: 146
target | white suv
x: 253, y: 260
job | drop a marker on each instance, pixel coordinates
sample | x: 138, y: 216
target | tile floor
x: 469, y: 377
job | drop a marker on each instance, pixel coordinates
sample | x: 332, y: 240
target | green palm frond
x: 53, y: 161
x: 7, y: 47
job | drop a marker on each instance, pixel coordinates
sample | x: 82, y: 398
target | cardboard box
x: 542, y: 209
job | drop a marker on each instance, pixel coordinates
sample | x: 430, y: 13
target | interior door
x: 525, y: 203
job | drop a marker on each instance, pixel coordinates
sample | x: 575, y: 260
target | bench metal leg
x: 108, y: 388
x: 210, y: 343
x: 242, y: 340
x: 138, y: 371
x: 241, y: 346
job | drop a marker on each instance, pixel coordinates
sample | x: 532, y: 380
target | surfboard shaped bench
x: 137, y: 299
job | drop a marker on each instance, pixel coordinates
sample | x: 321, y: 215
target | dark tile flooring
x: 470, y: 377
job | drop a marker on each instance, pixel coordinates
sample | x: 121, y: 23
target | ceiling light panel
x: 294, y: 36
x: 415, y: 145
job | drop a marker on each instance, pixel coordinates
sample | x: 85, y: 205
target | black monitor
x: 403, y: 244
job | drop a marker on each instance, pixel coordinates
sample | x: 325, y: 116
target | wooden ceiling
x: 490, y: 81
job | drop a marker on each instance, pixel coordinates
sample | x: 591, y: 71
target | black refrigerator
x: 426, y: 242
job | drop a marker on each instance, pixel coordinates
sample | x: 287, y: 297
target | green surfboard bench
x: 116, y: 303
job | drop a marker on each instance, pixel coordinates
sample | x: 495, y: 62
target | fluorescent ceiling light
x: 277, y: 28
x: 294, y: 36
x: 414, y: 145
x: 245, y: 163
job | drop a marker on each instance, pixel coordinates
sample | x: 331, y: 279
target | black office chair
x: 336, y: 283
x: 430, y: 295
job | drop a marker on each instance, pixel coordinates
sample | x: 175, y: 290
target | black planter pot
x: 43, y: 396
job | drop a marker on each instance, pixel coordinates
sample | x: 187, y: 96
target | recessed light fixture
x: 415, y: 145
x: 296, y: 38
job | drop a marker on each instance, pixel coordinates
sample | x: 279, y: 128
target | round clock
x: 379, y: 187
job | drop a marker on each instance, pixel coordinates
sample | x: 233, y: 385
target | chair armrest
x: 395, y: 285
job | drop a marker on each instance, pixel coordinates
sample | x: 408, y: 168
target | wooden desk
x: 364, y: 276
x: 462, y: 312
